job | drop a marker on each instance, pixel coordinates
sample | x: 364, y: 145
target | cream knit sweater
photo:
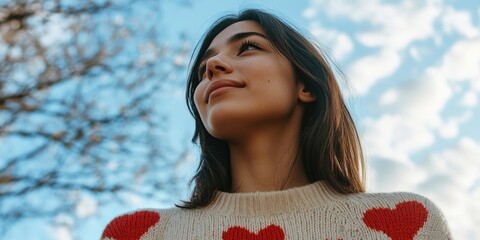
x: 313, y: 211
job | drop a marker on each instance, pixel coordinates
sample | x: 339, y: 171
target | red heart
x: 131, y: 226
x: 403, y: 222
x: 272, y: 232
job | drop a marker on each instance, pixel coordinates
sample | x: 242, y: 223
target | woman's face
x: 245, y: 84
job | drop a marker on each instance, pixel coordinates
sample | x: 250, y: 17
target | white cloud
x: 449, y: 129
x: 392, y: 25
x: 389, y: 97
x: 410, y: 24
x: 393, y: 136
x: 309, y: 12
x: 475, y: 85
x: 413, y: 115
x: 461, y: 62
x: 469, y: 99
x: 459, y: 21
x: 365, y: 72
x: 421, y: 101
x: 461, y: 162
x: 414, y: 53
x: 339, y: 42
x: 391, y: 175
x: 453, y: 184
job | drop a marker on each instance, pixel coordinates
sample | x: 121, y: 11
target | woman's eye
x: 248, y: 45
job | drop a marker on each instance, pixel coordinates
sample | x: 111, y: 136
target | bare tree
x: 79, y: 110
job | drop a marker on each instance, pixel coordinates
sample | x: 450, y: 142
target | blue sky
x: 412, y: 82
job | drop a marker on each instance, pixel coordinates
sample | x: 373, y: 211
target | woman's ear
x: 304, y: 94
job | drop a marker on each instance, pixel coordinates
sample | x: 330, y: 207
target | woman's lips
x: 218, y: 91
x: 220, y: 86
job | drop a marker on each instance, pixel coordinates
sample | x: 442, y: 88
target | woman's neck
x: 267, y: 161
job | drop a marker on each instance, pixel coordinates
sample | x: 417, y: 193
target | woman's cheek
x: 198, y: 97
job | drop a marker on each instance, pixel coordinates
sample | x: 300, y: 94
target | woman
x: 281, y: 158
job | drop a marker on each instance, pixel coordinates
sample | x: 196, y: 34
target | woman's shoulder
x: 392, y: 199
x: 396, y: 201
x: 137, y: 223
x: 401, y: 209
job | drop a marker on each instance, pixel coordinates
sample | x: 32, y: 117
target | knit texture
x: 313, y: 211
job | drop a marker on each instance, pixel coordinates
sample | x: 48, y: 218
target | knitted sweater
x: 313, y: 211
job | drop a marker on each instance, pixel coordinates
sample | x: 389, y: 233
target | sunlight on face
x: 245, y: 83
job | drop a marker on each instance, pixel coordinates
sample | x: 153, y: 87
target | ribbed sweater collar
x: 273, y: 203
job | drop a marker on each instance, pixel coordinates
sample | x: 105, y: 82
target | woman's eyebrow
x: 234, y: 38
x: 242, y: 35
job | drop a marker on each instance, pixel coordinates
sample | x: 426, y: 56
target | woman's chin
x: 228, y: 126
x: 223, y: 130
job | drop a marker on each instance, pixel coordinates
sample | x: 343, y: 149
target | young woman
x: 281, y: 158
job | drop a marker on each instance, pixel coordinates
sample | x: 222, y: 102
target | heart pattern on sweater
x: 402, y: 222
x: 131, y: 226
x: 271, y: 232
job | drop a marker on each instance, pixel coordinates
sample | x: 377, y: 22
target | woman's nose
x: 217, y: 65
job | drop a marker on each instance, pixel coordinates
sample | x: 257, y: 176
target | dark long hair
x: 329, y: 145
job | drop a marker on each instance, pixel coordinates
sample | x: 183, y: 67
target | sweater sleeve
x: 131, y: 226
x: 404, y: 215
x: 437, y: 226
